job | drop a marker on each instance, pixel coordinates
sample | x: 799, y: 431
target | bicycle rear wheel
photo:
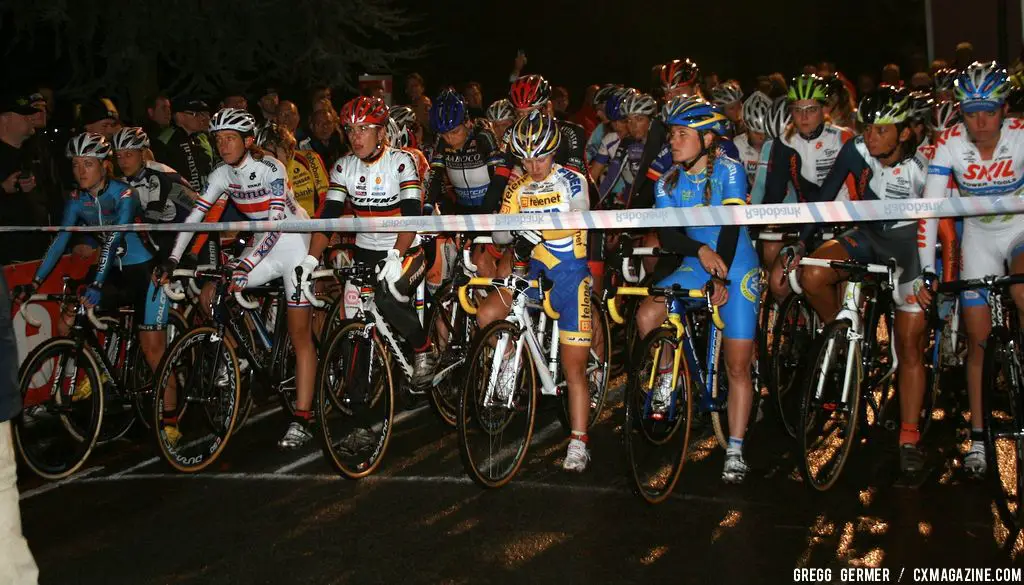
x: 118, y: 401
x: 141, y: 377
x: 791, y: 340
x: 1004, y: 422
x: 450, y: 331
x: 204, y: 368
x: 497, y: 407
x: 62, y: 412
x: 828, y: 425
x: 656, y: 446
x: 355, y: 400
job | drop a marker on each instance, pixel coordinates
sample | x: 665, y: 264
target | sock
x: 977, y: 439
x: 169, y: 418
x: 424, y: 349
x: 909, y: 434
x: 580, y: 436
x: 735, y: 446
x: 303, y: 416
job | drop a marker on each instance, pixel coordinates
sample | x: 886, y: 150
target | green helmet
x: 807, y: 87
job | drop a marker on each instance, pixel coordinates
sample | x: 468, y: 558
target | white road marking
x: 56, y: 484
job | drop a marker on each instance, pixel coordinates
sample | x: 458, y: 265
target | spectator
x: 936, y: 65
x: 159, y: 127
x: 51, y: 102
x: 322, y: 104
x: 287, y: 116
x: 778, y: 85
x: 587, y: 116
x: 269, y: 103
x: 189, y: 151
x: 560, y: 101
x: 809, y: 69
x: 234, y: 100
x: 100, y: 116
x: 826, y: 69
x: 710, y: 82
x: 18, y: 567
x: 324, y: 138
x: 23, y: 202
x: 891, y: 75
x: 421, y: 107
x: 921, y: 81
x: 763, y: 84
x: 39, y: 152
x: 517, y: 66
x: 319, y: 93
x: 964, y: 54
x: 866, y: 84
x: 414, y: 88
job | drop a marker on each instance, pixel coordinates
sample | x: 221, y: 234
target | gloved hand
x: 155, y: 211
x: 792, y: 253
x: 391, y: 271
x: 239, y: 280
x: 304, y: 270
x: 92, y: 295
x: 22, y: 292
x: 162, y: 272
x: 525, y: 242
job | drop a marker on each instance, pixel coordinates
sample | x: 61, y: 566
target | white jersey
x: 260, y: 190
x: 749, y: 156
x: 376, y: 189
x: 607, y: 149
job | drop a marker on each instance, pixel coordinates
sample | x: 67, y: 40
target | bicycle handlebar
x: 507, y: 282
x: 90, y: 313
x: 673, y: 291
x: 958, y: 286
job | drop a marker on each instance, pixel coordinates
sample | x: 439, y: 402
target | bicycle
x: 854, y: 361
x: 501, y: 380
x: 1002, y: 395
x: 794, y: 331
x: 656, y: 441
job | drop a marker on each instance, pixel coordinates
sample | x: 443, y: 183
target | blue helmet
x: 981, y: 86
x: 448, y: 112
x: 694, y: 112
x: 613, y: 107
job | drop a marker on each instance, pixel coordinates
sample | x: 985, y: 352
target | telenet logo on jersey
x: 545, y: 200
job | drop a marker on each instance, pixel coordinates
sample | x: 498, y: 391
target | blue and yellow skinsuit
x: 678, y: 188
x: 562, y: 256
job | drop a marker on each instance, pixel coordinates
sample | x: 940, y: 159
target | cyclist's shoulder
x: 836, y: 132
x: 568, y: 125
x: 118, y: 189
x: 397, y: 158
x: 729, y: 168
x: 952, y: 137
x: 270, y: 164
x: 574, y: 180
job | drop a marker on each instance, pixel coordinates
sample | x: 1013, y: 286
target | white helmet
x: 778, y: 118
x: 403, y: 116
x: 88, y: 144
x: 638, y: 104
x: 233, y: 119
x: 944, y: 114
x: 500, y: 111
x: 398, y: 136
x: 131, y: 138
x: 755, y: 111
x: 725, y: 94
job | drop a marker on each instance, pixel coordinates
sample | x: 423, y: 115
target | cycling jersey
x: 749, y: 156
x: 309, y: 180
x: 569, y: 155
x: 804, y: 163
x: 468, y: 169
x: 761, y: 175
x: 562, y: 256
x: 422, y: 165
x: 594, y: 142
x: 679, y: 188
x: 384, y: 186
x: 622, y: 171
x: 116, y: 204
x: 164, y: 195
x: 662, y: 162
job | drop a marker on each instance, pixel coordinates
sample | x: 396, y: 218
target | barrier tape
x: 783, y: 213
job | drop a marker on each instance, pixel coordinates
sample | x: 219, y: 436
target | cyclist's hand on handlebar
x: 791, y: 254
x: 91, y: 296
x: 23, y: 292
x: 720, y: 293
x: 239, y: 280
x: 925, y: 287
x: 304, y: 270
x: 162, y: 272
x: 712, y: 262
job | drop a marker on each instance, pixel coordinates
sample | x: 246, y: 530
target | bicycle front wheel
x: 449, y: 330
x: 355, y: 400
x: 1004, y: 423
x: 498, y: 406
x: 656, y: 439
x: 828, y: 423
x: 791, y: 340
x: 201, y: 370
x: 62, y: 398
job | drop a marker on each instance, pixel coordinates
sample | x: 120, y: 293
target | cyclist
x: 749, y: 144
x: 601, y: 97
x: 545, y: 187
x: 639, y: 109
x: 122, y: 274
x: 729, y: 98
x: 680, y: 78
x: 702, y: 176
x: 985, y: 155
x: 164, y: 195
x: 610, y: 141
x: 379, y: 180
x: 943, y: 80
x: 305, y: 168
x: 405, y: 119
x: 803, y: 156
x: 500, y: 116
x: 258, y: 186
x: 888, y: 166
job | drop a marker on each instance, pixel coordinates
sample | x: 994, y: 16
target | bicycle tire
x: 444, y: 396
x: 793, y: 336
x: 846, y: 427
x: 479, y: 419
x: 340, y: 408
x: 933, y: 369
x: 881, y: 405
x: 118, y: 401
x: 50, y: 412
x: 767, y: 314
x: 1004, y: 420
x: 142, y: 377
x: 204, y: 434
x: 649, y: 441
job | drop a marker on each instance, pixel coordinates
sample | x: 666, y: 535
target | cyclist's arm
x: 936, y: 186
x: 673, y: 239
x: 410, y: 201
x: 280, y: 192
x: 211, y: 195
x: 848, y: 162
x: 777, y: 176
x: 757, y: 191
x: 126, y: 205
x: 212, y: 216
x: 333, y: 207
x: 56, y: 249
x: 509, y: 204
x: 503, y: 165
x: 735, y: 193
x: 950, y: 247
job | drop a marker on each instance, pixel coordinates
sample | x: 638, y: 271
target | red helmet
x: 365, y: 110
x: 529, y: 91
x: 676, y: 73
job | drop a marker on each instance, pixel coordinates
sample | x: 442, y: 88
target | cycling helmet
x: 233, y: 119
x: 920, y: 106
x: 88, y: 144
x: 885, y: 105
x: 130, y: 138
x: 755, y: 111
x: 607, y: 91
x: 529, y: 91
x: 778, y: 117
x: 398, y: 137
x: 613, y: 107
x: 807, y: 87
x: 534, y: 136
x: 945, y: 114
x: 273, y: 135
x: 500, y: 110
x: 448, y: 112
x: 641, y: 104
x: 725, y: 94
x: 676, y: 73
x: 944, y: 79
x: 981, y: 87
x: 402, y: 115
x: 695, y: 112
x: 365, y: 110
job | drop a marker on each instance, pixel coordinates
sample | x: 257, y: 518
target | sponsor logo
x: 750, y: 286
x: 818, y: 145
x: 772, y: 211
x: 252, y: 176
x: 997, y: 170
x: 401, y: 168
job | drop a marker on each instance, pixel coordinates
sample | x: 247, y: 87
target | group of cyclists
x: 677, y: 150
